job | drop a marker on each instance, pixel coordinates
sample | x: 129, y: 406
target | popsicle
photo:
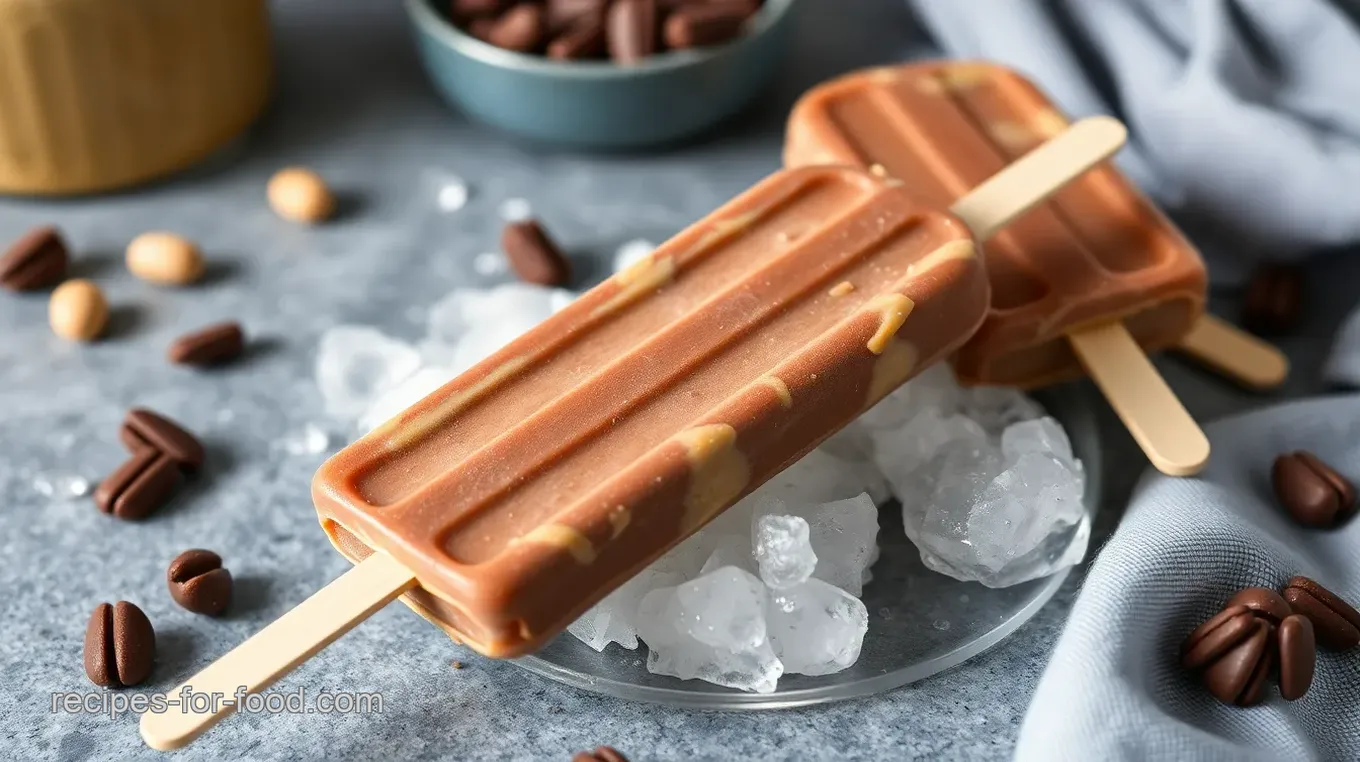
x: 1091, y: 280
x: 508, y: 502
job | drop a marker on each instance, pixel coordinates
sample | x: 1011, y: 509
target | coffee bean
x: 143, y: 428
x: 142, y: 484
x: 697, y: 25
x: 583, y: 40
x: 601, y: 754
x: 1298, y: 656
x: 1263, y: 602
x: 520, y: 29
x: 1336, y: 624
x: 1215, y: 637
x: 1273, y: 303
x: 533, y: 255
x: 120, y: 645
x: 198, y: 582
x: 208, y: 346
x: 467, y: 9
x: 1313, y: 492
x: 631, y: 30
x: 565, y: 14
x: 38, y: 258
x: 1239, y: 674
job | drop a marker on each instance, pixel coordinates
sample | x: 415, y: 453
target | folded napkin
x: 1114, y: 689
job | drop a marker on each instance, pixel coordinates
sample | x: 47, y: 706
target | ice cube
x: 1001, y: 515
x: 1041, y: 435
x: 712, y: 629
x: 515, y: 210
x: 783, y: 550
x: 934, y: 389
x: 453, y: 194
x: 820, y: 477
x: 614, y: 619
x: 816, y: 628
x: 994, y: 408
x: 475, y: 323
x: 843, y: 535
x: 357, y: 364
x: 900, y: 453
x: 311, y: 440
x: 730, y: 550
x: 403, y: 395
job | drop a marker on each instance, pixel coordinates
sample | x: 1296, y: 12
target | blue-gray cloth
x: 1245, y: 123
x: 1114, y: 689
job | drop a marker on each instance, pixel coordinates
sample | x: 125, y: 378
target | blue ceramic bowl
x: 597, y: 104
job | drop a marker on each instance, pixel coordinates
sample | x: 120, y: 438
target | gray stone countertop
x: 353, y: 104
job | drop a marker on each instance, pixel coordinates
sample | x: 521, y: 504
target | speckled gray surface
x: 353, y: 104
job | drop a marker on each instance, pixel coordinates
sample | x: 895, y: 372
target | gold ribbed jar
x: 101, y: 94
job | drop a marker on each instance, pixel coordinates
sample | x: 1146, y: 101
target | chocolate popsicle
x: 1072, y: 281
x: 519, y: 494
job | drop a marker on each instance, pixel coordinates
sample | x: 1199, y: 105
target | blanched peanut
x: 300, y: 195
x: 78, y: 311
x: 164, y: 258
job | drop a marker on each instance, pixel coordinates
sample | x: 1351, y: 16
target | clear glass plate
x: 920, y: 622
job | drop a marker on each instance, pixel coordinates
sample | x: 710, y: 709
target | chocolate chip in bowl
x: 539, y: 70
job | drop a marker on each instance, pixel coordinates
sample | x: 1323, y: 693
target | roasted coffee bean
x: 37, y: 259
x: 533, y: 255
x: 208, y: 346
x: 1273, y: 303
x: 143, y: 428
x: 1217, y: 636
x: 120, y: 645
x: 141, y: 485
x: 520, y: 29
x: 1238, y: 676
x: 601, y: 754
x: 1312, y: 491
x: 1336, y: 624
x: 481, y: 28
x: 1264, y: 603
x: 564, y: 14
x: 467, y: 9
x: 198, y: 582
x: 631, y: 30
x: 1298, y: 656
x: 585, y: 39
x: 697, y: 25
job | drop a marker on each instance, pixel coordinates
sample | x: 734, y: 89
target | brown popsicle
x: 1089, y: 278
x: 515, y: 497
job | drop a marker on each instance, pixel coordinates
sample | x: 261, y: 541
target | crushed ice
x: 515, y: 210
x: 989, y: 487
x: 60, y: 486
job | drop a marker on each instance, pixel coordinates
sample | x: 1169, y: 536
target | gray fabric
x: 1245, y: 123
x: 1113, y: 690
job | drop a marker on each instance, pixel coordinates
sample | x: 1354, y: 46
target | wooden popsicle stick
x: 1154, y: 416
x: 1229, y: 350
x: 279, y: 648
x: 1038, y: 174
